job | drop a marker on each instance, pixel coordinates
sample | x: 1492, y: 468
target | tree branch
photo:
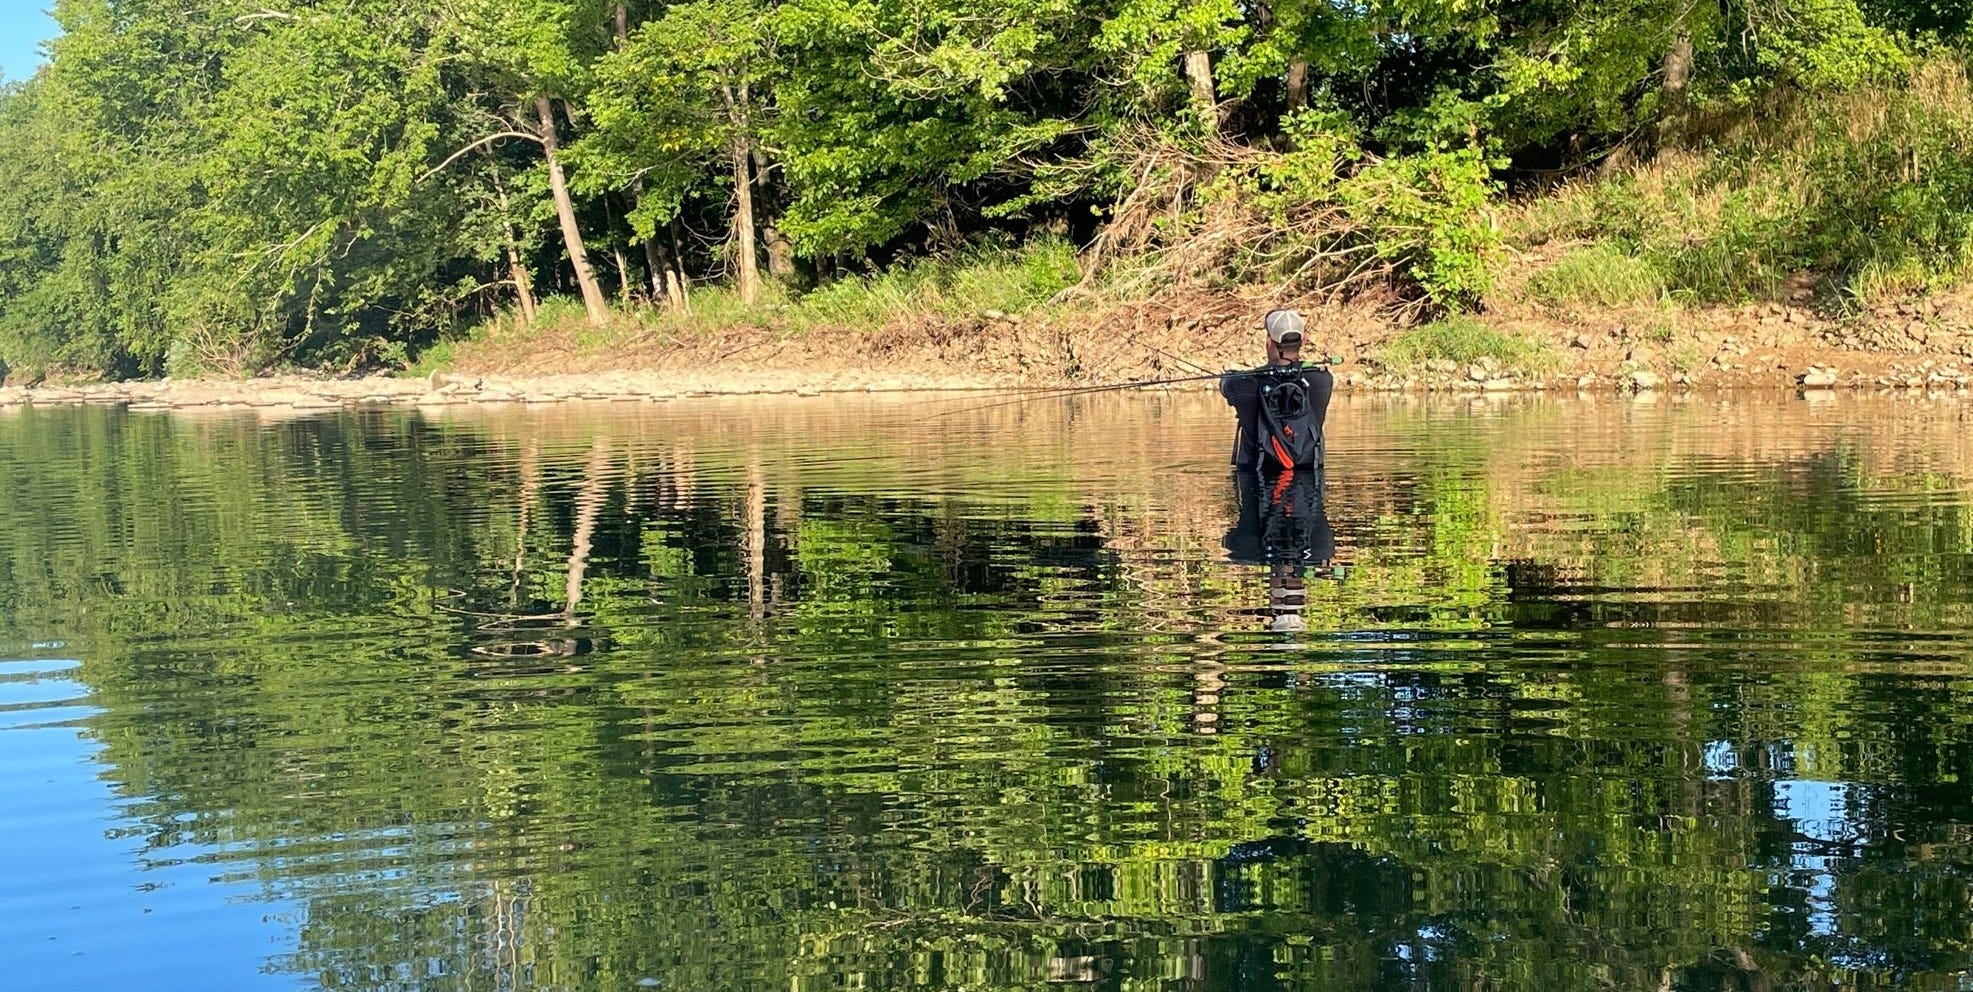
x: 489, y: 139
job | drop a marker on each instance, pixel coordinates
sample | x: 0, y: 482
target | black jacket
x: 1243, y: 394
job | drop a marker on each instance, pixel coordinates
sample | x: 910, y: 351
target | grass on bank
x: 1864, y: 197
x: 967, y: 284
x: 1598, y: 275
x: 1463, y: 341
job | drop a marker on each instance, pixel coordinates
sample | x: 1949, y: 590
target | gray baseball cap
x: 1284, y: 324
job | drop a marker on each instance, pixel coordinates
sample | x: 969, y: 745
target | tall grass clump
x: 1866, y: 194
x: 1600, y: 275
x: 1463, y: 340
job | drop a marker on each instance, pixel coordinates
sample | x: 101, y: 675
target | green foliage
x: 1427, y: 214
x: 1148, y: 38
x: 894, y: 114
x: 1326, y: 213
x: 975, y: 281
x: 1597, y: 275
x: 661, y: 107
x: 1463, y: 340
x: 1868, y: 192
x: 239, y: 211
x: 438, y: 357
x: 1600, y: 68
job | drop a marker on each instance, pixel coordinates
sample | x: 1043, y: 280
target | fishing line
x: 1139, y: 384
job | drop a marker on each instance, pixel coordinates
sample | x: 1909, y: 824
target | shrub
x: 1321, y: 213
x: 1426, y: 212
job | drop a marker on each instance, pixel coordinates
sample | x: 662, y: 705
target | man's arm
x: 1237, y: 387
x: 1242, y: 393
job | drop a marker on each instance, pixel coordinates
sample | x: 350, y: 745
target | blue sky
x: 24, y: 24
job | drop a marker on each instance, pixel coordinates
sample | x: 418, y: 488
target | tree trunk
x: 743, y: 224
x: 1678, y: 63
x: 754, y: 543
x: 1678, y: 75
x: 677, y: 273
x: 1199, y: 72
x: 780, y: 251
x: 1297, y: 85
x: 654, y: 267
x: 780, y: 254
x: 624, y: 280
x: 523, y: 285
x: 654, y: 264
x: 675, y: 289
x: 747, y: 260
x: 664, y: 282
x: 588, y: 505
x: 523, y: 289
x: 530, y: 481
x: 592, y: 295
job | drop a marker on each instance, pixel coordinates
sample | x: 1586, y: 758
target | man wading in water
x: 1281, y: 405
x: 1277, y: 467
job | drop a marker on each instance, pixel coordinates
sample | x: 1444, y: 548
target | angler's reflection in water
x: 1284, y: 527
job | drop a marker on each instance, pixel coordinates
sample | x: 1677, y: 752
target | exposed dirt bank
x: 1926, y: 345
x: 1919, y: 345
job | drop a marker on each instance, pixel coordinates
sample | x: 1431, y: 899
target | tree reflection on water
x: 1547, y: 696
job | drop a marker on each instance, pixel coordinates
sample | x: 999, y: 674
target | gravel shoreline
x: 306, y: 395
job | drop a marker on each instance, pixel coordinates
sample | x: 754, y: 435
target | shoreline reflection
x: 803, y: 696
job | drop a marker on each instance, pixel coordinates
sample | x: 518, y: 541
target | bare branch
x: 489, y: 139
x: 264, y: 14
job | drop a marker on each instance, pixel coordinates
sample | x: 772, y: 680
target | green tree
x: 684, y: 99
x: 893, y: 116
x: 535, y: 55
x: 251, y: 180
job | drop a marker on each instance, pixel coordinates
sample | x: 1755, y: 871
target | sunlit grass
x: 1865, y: 195
x: 1598, y: 275
x: 972, y: 283
x: 1464, y: 340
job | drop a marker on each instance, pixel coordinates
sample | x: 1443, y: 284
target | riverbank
x: 1773, y: 346
x: 1926, y: 343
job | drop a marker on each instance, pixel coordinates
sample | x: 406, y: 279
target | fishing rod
x: 1194, y: 366
x: 1271, y: 370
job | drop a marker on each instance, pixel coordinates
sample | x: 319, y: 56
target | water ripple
x: 740, y: 694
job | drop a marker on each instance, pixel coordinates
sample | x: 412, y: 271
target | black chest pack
x: 1289, y: 434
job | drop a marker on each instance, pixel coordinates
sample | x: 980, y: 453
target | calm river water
x: 868, y: 693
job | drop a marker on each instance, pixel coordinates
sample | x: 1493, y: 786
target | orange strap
x: 1281, y: 485
x: 1281, y: 453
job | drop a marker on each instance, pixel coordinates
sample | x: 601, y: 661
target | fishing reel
x: 1284, y: 389
x: 1279, y: 373
x: 1282, y: 372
